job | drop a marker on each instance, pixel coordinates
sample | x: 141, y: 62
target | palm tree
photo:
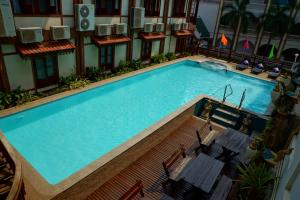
x: 275, y: 21
x: 238, y: 18
x: 295, y: 7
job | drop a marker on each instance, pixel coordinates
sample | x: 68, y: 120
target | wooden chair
x: 205, y: 145
x: 172, y: 171
x: 133, y: 191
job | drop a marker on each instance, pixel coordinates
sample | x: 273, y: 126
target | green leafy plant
x: 136, y: 64
x: 171, y: 56
x: 254, y: 180
x: 93, y: 73
x: 160, y: 58
x: 124, y: 64
x: 72, y: 82
x: 15, y: 97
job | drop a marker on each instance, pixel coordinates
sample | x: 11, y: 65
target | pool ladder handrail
x: 225, y: 92
x: 242, y: 98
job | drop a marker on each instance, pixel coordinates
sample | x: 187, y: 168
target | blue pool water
x: 60, y: 138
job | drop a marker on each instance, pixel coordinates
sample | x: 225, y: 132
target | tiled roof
x: 45, y: 47
x: 152, y: 36
x: 183, y: 33
x: 109, y: 41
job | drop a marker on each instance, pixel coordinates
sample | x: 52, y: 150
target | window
x: 45, y: 71
x: 152, y: 7
x: 179, y: 8
x: 180, y: 45
x: 39, y: 7
x: 107, y: 57
x: 111, y: 7
x: 146, y: 50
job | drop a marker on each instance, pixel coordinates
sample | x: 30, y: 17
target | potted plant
x: 254, y: 180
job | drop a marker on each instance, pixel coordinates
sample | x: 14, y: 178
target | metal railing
x: 225, y: 92
x: 242, y: 99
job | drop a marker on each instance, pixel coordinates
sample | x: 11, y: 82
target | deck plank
x: 148, y: 168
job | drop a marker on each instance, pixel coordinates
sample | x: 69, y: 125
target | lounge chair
x: 258, y: 69
x: 274, y: 73
x: 244, y: 65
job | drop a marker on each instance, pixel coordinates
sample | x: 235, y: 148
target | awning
x: 183, y: 33
x: 110, y: 41
x: 152, y: 36
x: 45, y: 47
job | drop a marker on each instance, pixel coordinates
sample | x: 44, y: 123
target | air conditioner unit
x: 30, y: 35
x: 60, y: 32
x: 7, y: 25
x: 148, y: 27
x: 159, y: 27
x: 176, y: 27
x: 137, y: 17
x: 85, y: 17
x: 121, y: 29
x: 103, y: 29
x: 184, y: 26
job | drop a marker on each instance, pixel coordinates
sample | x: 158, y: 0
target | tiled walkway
x: 149, y: 168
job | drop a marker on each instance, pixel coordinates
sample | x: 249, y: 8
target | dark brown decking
x: 149, y: 168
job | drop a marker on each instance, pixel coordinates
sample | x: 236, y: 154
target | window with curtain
x: 107, y: 57
x: 179, y: 8
x: 38, y: 7
x: 46, y: 71
x: 152, y: 7
x: 111, y: 7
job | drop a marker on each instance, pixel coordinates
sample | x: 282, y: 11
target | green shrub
x: 171, y: 56
x: 93, y: 73
x: 72, y: 82
x: 80, y: 83
x: 15, y: 97
x: 160, y: 58
x: 254, y: 180
x: 136, y: 64
x: 124, y: 64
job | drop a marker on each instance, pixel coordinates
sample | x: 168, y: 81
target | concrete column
x: 283, y: 40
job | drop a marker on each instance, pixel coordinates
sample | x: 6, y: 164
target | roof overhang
x: 152, y: 36
x: 99, y: 41
x: 183, y: 33
x: 48, y: 47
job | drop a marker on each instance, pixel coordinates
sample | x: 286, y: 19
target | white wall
x: 155, y: 47
x: 290, y: 165
x: 120, y: 53
x: 136, y: 49
x: 19, y: 72
x: 91, y: 56
x: 66, y: 64
x: 44, y: 22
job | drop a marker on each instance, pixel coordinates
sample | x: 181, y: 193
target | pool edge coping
x: 51, y: 98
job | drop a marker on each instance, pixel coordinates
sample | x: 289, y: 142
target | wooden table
x: 232, y: 141
x: 202, y: 172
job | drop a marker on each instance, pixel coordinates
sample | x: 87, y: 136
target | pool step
x: 227, y: 114
x: 223, y: 121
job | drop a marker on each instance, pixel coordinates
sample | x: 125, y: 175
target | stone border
x: 61, y: 95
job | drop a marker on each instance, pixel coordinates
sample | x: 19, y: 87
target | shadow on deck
x: 148, y: 168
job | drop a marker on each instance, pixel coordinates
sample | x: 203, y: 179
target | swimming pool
x: 62, y: 137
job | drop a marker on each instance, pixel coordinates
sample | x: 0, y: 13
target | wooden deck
x: 149, y: 168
